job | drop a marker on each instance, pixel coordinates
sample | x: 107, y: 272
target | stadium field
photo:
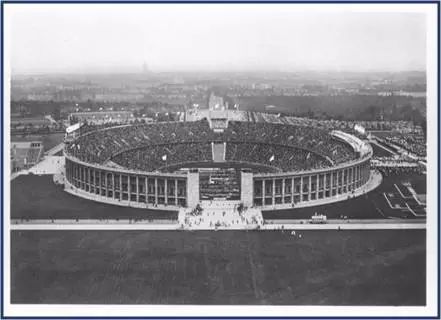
x: 37, y: 197
x: 372, y: 205
x: 224, y: 267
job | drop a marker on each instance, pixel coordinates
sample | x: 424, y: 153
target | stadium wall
x: 174, y: 190
x: 306, y: 188
x: 125, y: 187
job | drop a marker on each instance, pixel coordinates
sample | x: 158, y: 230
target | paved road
x: 55, y: 149
x: 144, y: 225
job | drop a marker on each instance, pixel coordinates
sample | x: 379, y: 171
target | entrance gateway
x: 219, y: 184
x: 227, y: 182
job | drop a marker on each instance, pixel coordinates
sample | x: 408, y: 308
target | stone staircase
x: 221, y: 215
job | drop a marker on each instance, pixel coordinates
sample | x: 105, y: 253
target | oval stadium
x: 217, y: 155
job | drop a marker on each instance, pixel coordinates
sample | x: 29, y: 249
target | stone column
x: 113, y: 185
x: 192, y: 188
x: 346, y: 179
x: 292, y: 189
x: 156, y: 190
x: 331, y: 183
x: 309, y: 187
x: 358, y: 176
x: 301, y: 188
x: 176, y: 192
x: 165, y: 191
x: 146, y: 191
x: 339, y: 184
x: 129, y: 189
x: 283, y: 190
x: 106, y: 192
x: 317, y: 186
x: 246, y: 188
x: 354, y: 178
x: 274, y: 191
x: 90, y: 180
x: 137, y: 188
x: 97, y: 178
x: 120, y: 187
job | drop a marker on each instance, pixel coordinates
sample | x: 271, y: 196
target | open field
x: 49, y: 140
x: 224, y: 267
x: 37, y: 197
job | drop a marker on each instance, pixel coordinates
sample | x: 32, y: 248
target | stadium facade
x: 161, y: 165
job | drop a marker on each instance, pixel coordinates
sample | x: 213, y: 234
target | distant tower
x: 145, y: 68
x: 215, y: 102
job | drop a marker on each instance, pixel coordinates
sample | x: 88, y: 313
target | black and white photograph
x: 220, y: 159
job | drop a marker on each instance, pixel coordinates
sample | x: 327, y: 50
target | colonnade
x: 291, y: 189
x: 149, y: 189
x: 114, y: 186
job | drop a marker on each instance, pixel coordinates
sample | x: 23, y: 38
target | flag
x: 272, y: 158
x: 164, y: 157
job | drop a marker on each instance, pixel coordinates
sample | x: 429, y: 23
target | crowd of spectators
x: 142, y: 146
x: 414, y: 143
x: 307, y: 138
x: 398, y: 170
x: 101, y: 145
x: 285, y: 158
x: 157, y: 156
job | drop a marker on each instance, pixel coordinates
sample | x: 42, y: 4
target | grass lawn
x: 384, y: 267
x: 37, y: 197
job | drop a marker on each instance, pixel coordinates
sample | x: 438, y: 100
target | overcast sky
x: 82, y: 38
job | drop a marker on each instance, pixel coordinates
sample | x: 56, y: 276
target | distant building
x: 25, y: 154
x: 216, y: 102
x: 101, y: 117
x: 37, y: 122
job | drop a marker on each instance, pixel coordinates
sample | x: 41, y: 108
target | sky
x: 208, y: 37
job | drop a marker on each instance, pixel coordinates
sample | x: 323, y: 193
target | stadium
x: 217, y: 155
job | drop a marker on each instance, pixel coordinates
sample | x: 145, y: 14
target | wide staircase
x: 218, y: 149
x: 220, y: 215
